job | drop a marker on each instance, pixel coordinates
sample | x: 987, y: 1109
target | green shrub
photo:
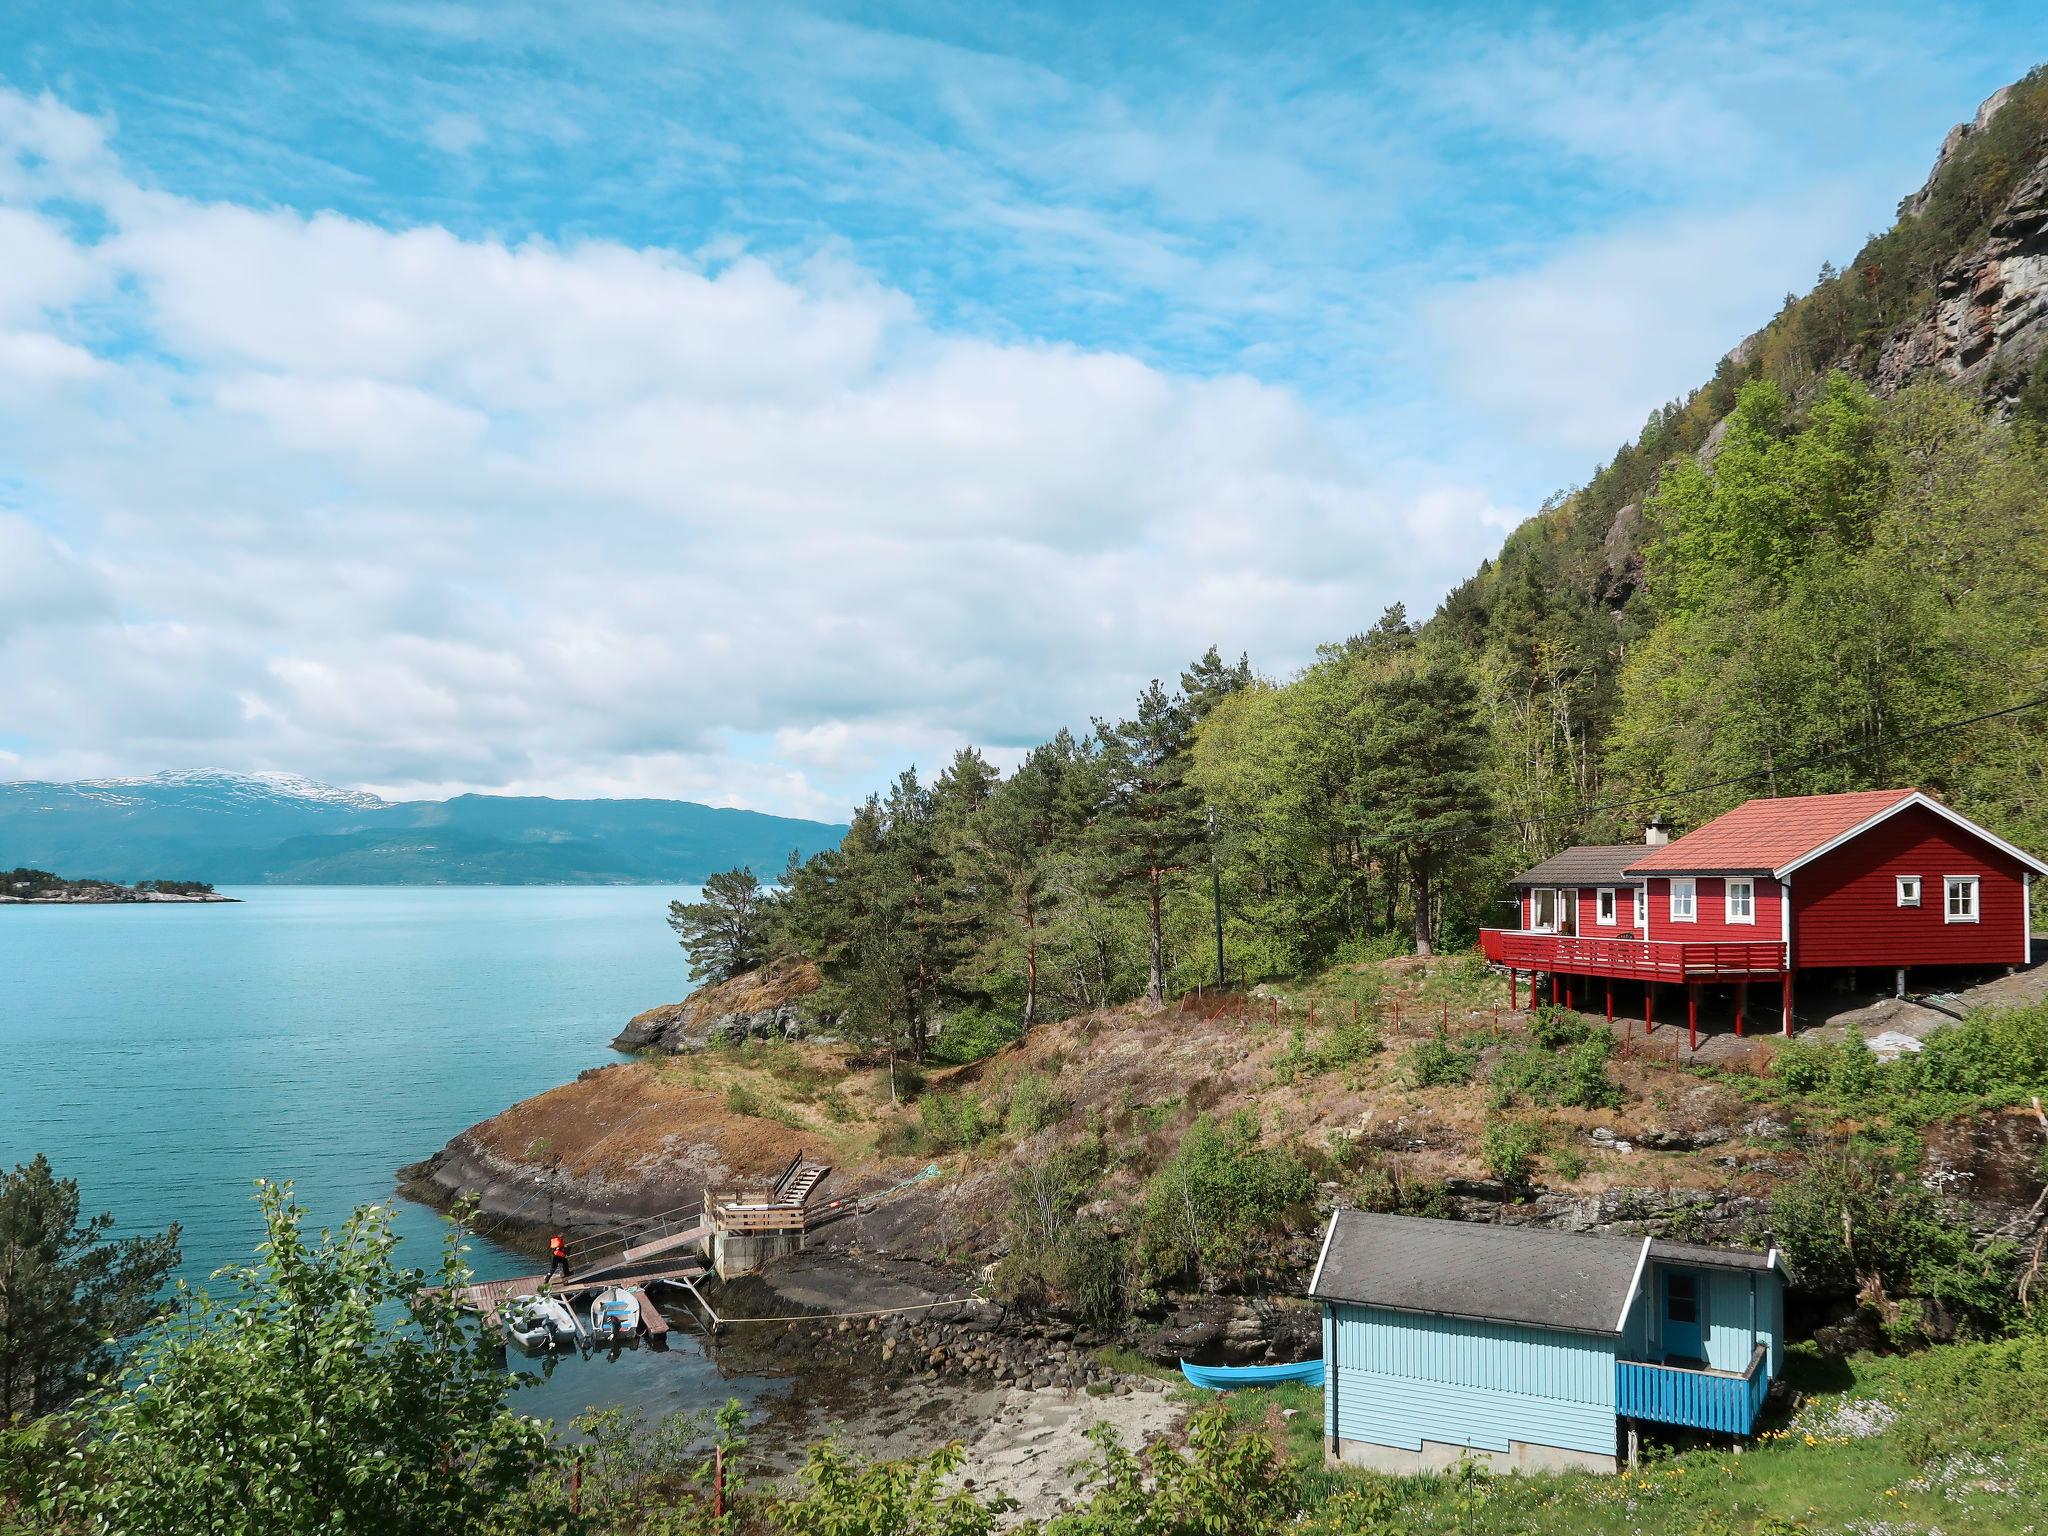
x: 954, y: 1120
x: 1554, y: 1028
x: 1219, y: 1192
x: 1090, y: 1269
x: 1802, y: 1066
x: 1855, y: 1072
x: 1032, y: 1106
x: 1510, y: 1148
x: 972, y: 1034
x: 1569, y: 1161
x: 1575, y: 1077
x: 1439, y: 1063
x: 1858, y: 1214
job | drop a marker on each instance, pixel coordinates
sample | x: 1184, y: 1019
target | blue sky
x: 737, y: 402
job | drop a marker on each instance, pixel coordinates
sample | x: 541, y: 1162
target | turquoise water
x: 165, y: 1056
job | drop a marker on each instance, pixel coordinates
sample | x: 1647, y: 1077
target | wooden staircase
x: 799, y: 1181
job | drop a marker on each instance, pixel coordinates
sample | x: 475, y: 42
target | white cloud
x: 400, y: 508
x: 1577, y: 349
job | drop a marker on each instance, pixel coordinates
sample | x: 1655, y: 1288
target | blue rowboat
x: 1222, y: 1378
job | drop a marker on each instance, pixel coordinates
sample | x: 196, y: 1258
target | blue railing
x: 1670, y: 1394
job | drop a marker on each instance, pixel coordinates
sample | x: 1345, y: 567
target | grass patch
x: 1952, y: 1440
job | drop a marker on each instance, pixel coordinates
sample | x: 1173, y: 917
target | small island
x: 39, y: 886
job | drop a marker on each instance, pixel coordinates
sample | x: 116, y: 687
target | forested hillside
x: 1792, y: 582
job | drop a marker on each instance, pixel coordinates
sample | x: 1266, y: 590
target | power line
x: 1585, y: 811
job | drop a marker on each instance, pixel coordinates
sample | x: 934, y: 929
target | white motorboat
x: 614, y: 1315
x: 537, y: 1323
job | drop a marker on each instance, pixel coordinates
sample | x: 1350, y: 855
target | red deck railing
x: 1640, y: 959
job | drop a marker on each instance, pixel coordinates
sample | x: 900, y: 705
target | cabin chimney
x: 1656, y: 832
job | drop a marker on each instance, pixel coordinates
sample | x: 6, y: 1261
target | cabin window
x: 1543, y: 911
x: 1603, y: 908
x: 1741, y: 901
x: 1684, y: 901
x: 1639, y: 904
x: 1909, y: 890
x: 1962, y: 898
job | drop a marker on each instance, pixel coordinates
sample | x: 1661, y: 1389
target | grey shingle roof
x: 1593, y: 864
x: 1708, y: 1258
x: 1548, y: 1279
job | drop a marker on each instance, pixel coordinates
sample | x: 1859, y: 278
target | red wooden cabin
x: 1882, y: 879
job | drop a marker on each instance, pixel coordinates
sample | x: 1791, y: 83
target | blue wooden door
x: 1681, y: 1315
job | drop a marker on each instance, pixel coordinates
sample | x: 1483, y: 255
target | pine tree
x: 722, y: 934
x: 1150, y: 817
x: 1208, y: 682
x: 1422, y: 791
x: 67, y: 1289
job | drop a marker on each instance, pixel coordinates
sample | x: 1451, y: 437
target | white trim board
x: 1316, y: 1279
x: 1635, y: 1283
x: 1915, y: 798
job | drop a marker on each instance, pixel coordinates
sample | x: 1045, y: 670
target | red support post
x: 1741, y: 996
x: 1788, y: 1003
x: 1514, y: 995
x: 1649, y: 1006
x: 1553, y: 989
x: 1692, y: 1016
x: 1610, y: 1004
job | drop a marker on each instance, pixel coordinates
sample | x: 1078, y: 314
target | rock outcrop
x: 767, y: 1004
x: 1990, y: 307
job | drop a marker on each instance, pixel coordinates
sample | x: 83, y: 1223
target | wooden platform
x: 488, y: 1297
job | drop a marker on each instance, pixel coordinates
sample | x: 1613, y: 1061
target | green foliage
x: 1032, y: 1105
x: 1150, y: 820
x: 1439, y: 1063
x: 1053, y: 1255
x: 1856, y: 1220
x: 954, y: 1120
x: 1575, y: 1076
x: 1222, y: 1189
x: 844, y: 1497
x: 323, y: 1391
x: 972, y: 1034
x: 1510, y: 1148
x: 721, y: 933
x: 1988, y: 1059
x: 1229, y: 1483
x: 69, y: 1290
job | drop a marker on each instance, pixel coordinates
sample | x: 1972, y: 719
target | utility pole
x: 1216, y: 893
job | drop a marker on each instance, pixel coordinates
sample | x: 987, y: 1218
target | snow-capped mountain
x: 267, y: 785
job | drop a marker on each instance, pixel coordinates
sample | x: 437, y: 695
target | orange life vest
x: 556, y: 1245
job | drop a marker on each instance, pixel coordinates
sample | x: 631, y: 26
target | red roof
x: 1768, y: 834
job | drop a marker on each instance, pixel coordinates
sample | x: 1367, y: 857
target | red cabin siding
x: 1845, y: 907
x: 1710, y: 902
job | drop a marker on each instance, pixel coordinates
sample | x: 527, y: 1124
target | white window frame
x: 1728, y: 903
x: 1691, y: 914
x: 1606, y: 907
x: 1950, y: 884
x: 1639, y: 904
x: 1899, y: 887
x: 1536, y: 922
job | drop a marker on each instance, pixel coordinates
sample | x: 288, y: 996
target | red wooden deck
x: 1634, y: 959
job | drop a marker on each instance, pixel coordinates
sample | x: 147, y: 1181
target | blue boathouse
x: 1530, y: 1349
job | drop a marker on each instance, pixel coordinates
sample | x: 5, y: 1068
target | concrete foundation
x: 1435, y: 1456
x: 735, y: 1253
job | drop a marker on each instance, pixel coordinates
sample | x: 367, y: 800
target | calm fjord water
x: 165, y: 1056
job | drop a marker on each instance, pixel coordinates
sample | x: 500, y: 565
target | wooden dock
x: 487, y: 1298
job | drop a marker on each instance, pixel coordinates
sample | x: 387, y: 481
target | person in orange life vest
x: 558, y: 1254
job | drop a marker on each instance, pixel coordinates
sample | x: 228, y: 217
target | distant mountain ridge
x: 280, y: 829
